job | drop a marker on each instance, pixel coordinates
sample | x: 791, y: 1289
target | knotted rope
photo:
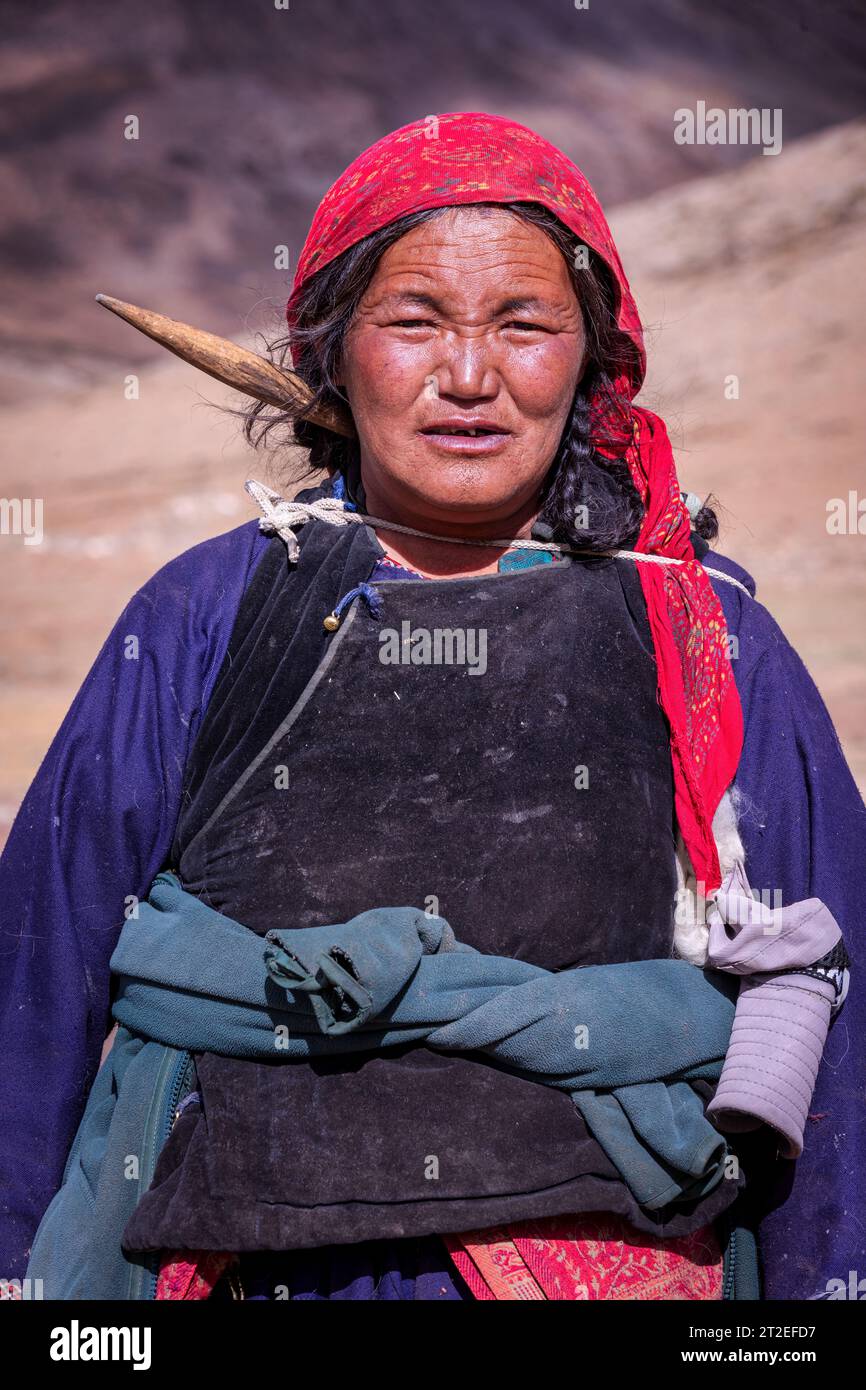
x: 281, y: 517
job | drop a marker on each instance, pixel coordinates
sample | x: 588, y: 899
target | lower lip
x: 467, y: 444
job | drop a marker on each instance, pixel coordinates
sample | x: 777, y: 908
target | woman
x: 295, y: 729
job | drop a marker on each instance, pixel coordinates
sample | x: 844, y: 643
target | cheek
x: 383, y: 376
x: 542, y: 381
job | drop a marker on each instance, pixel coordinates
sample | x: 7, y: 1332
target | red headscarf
x: 471, y: 157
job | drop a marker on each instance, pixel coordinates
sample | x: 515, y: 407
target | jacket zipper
x: 730, y: 1266
x: 181, y: 1085
x: 175, y: 1074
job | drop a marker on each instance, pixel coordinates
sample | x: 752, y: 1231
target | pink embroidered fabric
x: 582, y: 1258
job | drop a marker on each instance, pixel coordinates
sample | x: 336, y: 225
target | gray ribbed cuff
x: 777, y: 1040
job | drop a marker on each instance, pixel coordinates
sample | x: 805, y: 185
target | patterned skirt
x: 573, y: 1258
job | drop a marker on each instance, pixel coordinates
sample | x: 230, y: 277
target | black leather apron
x: 530, y: 803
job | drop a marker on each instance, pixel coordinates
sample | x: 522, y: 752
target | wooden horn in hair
x: 233, y: 365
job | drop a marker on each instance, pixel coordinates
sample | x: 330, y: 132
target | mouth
x: 454, y: 437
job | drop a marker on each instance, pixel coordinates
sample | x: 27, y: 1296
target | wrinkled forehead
x: 474, y: 253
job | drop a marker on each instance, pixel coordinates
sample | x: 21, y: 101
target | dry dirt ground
x: 754, y: 273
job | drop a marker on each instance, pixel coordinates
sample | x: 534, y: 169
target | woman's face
x: 470, y: 322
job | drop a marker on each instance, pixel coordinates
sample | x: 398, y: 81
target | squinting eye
x: 412, y: 323
x: 527, y: 327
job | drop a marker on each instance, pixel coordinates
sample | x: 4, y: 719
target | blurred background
x: 744, y: 265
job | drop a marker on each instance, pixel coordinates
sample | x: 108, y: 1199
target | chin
x: 466, y: 485
x: 463, y: 501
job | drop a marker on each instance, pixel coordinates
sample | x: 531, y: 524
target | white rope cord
x: 281, y: 517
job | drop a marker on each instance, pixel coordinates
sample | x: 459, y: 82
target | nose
x: 468, y: 371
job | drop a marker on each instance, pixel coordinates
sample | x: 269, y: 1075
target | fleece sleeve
x: 95, y: 826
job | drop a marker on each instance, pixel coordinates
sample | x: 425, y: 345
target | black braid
x: 590, y: 504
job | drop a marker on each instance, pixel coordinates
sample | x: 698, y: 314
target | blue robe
x: 97, y: 824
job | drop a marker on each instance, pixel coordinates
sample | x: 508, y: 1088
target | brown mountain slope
x: 758, y: 274
x: 246, y: 113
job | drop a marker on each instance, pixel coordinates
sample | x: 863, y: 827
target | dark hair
x: 588, y: 498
